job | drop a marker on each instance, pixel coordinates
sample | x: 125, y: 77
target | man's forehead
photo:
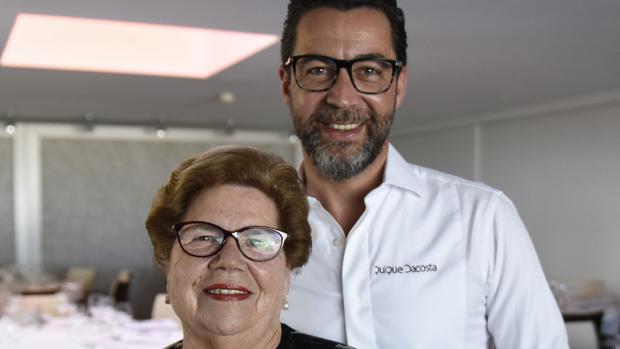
x: 344, y: 34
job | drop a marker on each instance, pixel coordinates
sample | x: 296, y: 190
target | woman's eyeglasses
x: 204, y: 239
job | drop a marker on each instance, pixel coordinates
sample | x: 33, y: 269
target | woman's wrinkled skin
x: 210, y: 323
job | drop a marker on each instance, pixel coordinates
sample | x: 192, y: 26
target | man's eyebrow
x: 369, y: 56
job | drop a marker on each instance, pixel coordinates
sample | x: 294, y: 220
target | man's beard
x: 342, y: 159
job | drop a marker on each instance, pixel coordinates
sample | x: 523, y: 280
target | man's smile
x: 343, y: 127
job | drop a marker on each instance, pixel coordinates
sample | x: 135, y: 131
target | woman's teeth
x: 223, y: 291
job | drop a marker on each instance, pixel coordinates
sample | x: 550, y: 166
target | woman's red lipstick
x: 227, y: 293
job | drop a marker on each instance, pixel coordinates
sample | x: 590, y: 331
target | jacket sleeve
x: 521, y: 310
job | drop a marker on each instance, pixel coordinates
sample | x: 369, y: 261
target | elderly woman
x: 227, y: 229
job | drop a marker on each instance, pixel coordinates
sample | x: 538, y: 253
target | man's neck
x: 344, y: 199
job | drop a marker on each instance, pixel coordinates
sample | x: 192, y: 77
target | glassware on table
x: 5, y: 298
x: 73, y: 290
x: 560, y: 292
x: 8, y: 278
x: 104, y: 314
x: 7, y: 288
x: 98, y: 303
x: 124, y: 307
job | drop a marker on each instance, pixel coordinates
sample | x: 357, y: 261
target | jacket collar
x: 399, y: 173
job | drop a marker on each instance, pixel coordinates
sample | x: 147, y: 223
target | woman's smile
x: 227, y: 293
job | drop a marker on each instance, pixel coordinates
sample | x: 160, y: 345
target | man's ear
x: 285, y: 84
x: 401, y: 85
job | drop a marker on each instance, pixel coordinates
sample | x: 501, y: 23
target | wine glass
x: 560, y: 292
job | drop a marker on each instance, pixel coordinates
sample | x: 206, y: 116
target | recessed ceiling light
x: 95, y: 45
x: 227, y: 97
x: 10, y: 129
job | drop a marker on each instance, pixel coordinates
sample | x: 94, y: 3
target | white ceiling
x: 467, y: 58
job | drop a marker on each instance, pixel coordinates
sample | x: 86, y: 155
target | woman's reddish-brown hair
x: 247, y: 166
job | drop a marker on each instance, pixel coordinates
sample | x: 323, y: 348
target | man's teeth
x: 224, y: 291
x: 344, y: 127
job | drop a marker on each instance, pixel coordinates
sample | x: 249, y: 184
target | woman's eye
x: 256, y: 243
x: 207, y: 238
x: 259, y: 244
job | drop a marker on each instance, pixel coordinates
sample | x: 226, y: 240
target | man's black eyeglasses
x: 319, y: 73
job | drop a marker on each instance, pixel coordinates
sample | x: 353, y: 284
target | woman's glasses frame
x: 177, y: 228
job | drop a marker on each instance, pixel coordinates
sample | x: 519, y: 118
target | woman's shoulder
x: 292, y: 339
x: 177, y: 345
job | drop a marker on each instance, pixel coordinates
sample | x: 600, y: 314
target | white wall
x: 450, y: 150
x: 562, y: 170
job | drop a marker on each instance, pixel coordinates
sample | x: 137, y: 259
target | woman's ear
x: 165, y: 268
x: 287, y: 280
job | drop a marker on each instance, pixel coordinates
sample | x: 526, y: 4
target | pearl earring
x: 285, y: 305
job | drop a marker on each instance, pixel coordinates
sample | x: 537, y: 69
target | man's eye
x: 370, y: 71
x: 317, y: 71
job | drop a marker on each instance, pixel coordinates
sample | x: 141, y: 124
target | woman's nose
x: 229, y: 257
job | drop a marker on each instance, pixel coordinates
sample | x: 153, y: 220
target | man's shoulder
x: 421, y: 179
x: 435, y: 180
x: 442, y: 178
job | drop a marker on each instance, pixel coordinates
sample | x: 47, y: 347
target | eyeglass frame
x: 397, y: 65
x: 227, y: 233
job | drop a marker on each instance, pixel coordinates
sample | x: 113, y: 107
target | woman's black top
x: 292, y: 339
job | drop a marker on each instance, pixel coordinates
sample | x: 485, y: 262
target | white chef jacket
x: 435, y: 261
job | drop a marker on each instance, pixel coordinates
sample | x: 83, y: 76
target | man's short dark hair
x: 298, y: 8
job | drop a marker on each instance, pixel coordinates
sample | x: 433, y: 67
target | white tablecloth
x: 108, y: 329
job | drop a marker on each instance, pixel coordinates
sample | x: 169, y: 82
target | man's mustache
x: 329, y: 115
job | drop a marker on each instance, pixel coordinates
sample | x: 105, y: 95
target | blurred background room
x: 100, y: 100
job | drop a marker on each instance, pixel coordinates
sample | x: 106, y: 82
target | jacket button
x: 339, y: 242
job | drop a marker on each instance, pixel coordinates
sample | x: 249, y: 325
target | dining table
x: 604, y: 314
x: 97, y: 328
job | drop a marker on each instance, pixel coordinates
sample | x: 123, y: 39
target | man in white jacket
x: 403, y: 256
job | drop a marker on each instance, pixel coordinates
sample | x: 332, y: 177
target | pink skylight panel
x: 94, y: 45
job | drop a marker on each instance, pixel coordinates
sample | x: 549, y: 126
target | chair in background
x: 49, y: 304
x: 591, y: 314
x: 583, y: 329
x: 119, y: 290
x: 161, y: 310
x: 84, y: 277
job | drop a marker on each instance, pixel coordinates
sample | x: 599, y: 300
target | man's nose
x: 343, y: 94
